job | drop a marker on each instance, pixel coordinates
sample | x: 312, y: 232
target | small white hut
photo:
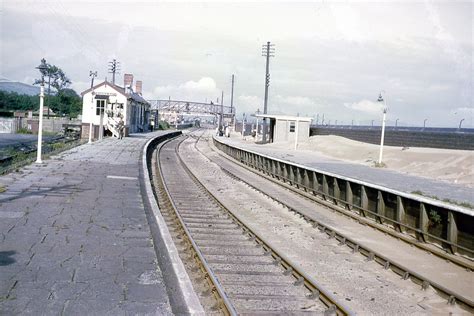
x: 283, y: 128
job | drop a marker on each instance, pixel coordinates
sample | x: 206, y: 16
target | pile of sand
x: 452, y: 166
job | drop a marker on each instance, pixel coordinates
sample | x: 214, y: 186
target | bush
x: 23, y: 131
x: 163, y: 125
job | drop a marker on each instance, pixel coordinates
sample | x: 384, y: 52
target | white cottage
x: 117, y: 105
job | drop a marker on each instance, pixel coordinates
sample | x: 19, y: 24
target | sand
x: 452, y: 166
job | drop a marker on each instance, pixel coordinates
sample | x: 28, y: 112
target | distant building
x: 115, y: 104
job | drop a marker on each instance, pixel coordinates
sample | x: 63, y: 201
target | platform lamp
x: 42, y: 68
x: 381, y: 99
x: 92, y: 74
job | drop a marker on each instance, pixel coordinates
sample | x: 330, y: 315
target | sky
x: 332, y: 58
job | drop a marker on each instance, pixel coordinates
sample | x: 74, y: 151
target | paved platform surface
x: 75, y: 238
x: 383, y: 177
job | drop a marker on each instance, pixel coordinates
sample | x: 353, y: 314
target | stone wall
x: 403, y: 138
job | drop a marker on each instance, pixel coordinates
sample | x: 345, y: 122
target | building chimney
x: 127, y: 82
x: 138, y: 87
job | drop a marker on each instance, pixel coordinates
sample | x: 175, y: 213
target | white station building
x: 107, y: 105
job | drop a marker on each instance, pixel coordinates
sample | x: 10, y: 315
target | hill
x: 18, y: 87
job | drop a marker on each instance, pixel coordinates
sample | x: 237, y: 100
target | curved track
x: 248, y: 275
x: 234, y: 170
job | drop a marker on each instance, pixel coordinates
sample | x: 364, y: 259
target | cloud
x: 80, y: 86
x: 365, y: 48
x: 347, y: 22
x: 205, y: 89
x: 249, y: 103
x: 294, y: 100
x: 365, y: 106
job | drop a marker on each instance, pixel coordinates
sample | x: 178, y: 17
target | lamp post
x: 42, y: 68
x: 243, y: 125
x: 256, y: 132
x: 92, y: 74
x: 381, y: 99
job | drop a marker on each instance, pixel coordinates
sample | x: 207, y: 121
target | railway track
x: 246, y: 274
x: 230, y: 167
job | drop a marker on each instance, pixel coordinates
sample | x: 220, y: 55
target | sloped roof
x: 103, y: 83
x: 134, y: 96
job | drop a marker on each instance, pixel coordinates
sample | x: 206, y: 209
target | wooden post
x: 400, y: 216
x: 315, y: 183
x: 424, y: 222
x: 380, y: 206
x: 325, y: 186
x: 364, y: 200
x: 337, y: 190
x: 285, y: 172
x: 306, y: 180
x: 452, y: 231
x: 349, y: 195
x: 299, y: 181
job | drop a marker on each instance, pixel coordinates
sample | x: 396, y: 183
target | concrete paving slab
x: 74, y: 236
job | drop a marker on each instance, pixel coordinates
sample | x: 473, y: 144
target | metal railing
x: 427, y: 220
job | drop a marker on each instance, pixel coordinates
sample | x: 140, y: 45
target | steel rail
x: 463, y: 261
x: 401, y: 270
x: 339, y: 201
x: 316, y: 289
x: 225, y: 299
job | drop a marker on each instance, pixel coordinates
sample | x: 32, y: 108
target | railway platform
x: 75, y: 237
x: 378, y: 176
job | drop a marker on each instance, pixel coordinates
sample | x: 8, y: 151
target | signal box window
x: 100, y: 106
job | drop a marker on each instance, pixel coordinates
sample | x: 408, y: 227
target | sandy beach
x: 452, y: 166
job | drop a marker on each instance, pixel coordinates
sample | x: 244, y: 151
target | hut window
x: 292, y: 127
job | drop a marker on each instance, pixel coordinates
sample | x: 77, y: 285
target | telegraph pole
x: 232, y: 100
x: 221, y: 124
x: 114, y: 67
x: 268, y: 51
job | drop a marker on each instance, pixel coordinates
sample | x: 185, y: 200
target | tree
x: 60, y: 80
x: 56, y: 78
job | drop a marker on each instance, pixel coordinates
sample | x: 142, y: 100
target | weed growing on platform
x: 463, y: 204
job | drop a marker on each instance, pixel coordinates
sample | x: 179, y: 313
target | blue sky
x: 332, y: 57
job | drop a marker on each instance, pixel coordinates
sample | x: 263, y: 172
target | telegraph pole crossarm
x: 114, y: 67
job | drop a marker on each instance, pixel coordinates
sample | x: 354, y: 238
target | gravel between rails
x: 366, y: 287
x: 237, y: 259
